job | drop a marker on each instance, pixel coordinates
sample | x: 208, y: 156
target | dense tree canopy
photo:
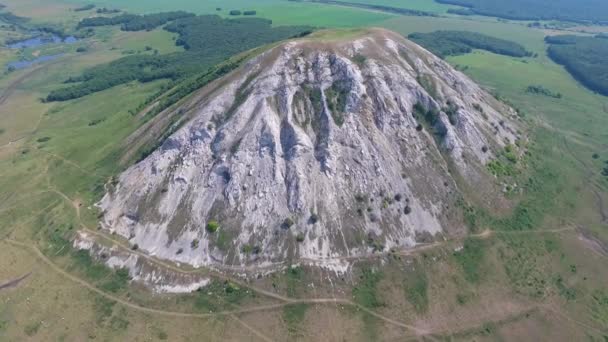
x: 584, y: 57
x: 132, y: 22
x: 572, y: 10
x: 207, y: 40
x: 453, y: 43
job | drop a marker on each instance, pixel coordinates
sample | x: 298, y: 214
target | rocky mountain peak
x: 319, y: 150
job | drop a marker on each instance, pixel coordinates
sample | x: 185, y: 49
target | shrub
x: 231, y: 287
x: 360, y: 198
x: 314, y: 218
x: 478, y: 107
x: 407, y: 210
x: 194, y: 243
x: 365, y: 292
x: 359, y: 59
x: 470, y: 259
x: 213, y: 226
x: 300, y: 237
x: 287, y: 223
x: 416, y: 288
x: 541, y: 90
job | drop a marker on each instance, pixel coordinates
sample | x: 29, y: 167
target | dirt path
x: 233, y: 313
x: 8, y: 91
x: 14, y: 282
x: 71, y: 163
x: 286, y: 301
x: 551, y: 309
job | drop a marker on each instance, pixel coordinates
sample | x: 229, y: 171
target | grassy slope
x: 82, y: 158
x: 569, y: 131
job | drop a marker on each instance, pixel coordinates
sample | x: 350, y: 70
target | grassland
x: 420, y: 5
x: 279, y: 11
x: 537, y: 273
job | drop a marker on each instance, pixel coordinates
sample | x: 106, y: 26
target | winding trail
x: 286, y: 301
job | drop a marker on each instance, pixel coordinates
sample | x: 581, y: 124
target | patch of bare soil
x: 15, y: 282
x: 593, y: 243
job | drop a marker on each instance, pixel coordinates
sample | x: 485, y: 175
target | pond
x: 41, y: 41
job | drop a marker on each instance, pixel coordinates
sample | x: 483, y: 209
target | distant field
x: 531, y: 39
x: 420, y: 5
x: 579, y: 10
x: 281, y: 12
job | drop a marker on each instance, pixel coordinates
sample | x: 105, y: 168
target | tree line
x: 568, y: 10
x: 583, y: 57
x: 132, y: 22
x: 207, y: 41
x: 453, y: 43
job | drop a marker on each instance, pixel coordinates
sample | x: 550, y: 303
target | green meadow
x: 281, y: 12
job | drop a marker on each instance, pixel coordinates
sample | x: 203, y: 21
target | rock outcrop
x: 317, y: 150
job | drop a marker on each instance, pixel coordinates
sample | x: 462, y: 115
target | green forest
x: 583, y: 57
x: 207, y: 40
x: 569, y: 10
x: 131, y: 22
x: 454, y: 43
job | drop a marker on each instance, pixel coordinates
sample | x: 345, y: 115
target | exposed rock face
x: 314, y: 151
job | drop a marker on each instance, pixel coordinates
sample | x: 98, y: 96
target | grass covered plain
x: 279, y: 11
x: 541, y: 277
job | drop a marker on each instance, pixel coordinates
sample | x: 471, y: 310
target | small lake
x: 24, y: 64
x: 41, y: 41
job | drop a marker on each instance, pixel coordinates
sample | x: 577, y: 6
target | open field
x: 420, y: 5
x: 279, y: 11
x: 545, y: 283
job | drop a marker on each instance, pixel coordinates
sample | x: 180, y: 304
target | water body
x: 41, y: 41
x: 24, y: 64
